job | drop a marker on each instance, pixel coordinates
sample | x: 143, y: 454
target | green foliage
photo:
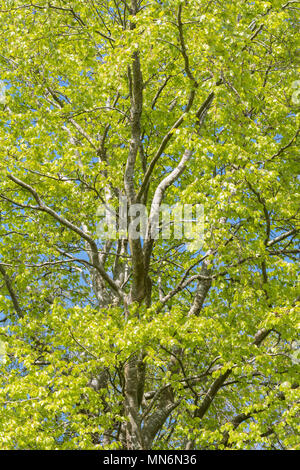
x: 66, y: 132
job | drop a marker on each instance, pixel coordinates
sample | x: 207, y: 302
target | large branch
x: 138, y: 290
x: 95, y: 256
x: 200, y: 114
x: 163, y: 145
x: 183, y: 48
x: 136, y: 96
x: 211, y: 393
x: 283, y: 236
x: 156, y: 420
x: 202, y: 289
x: 11, y: 291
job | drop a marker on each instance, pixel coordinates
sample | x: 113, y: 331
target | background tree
x: 145, y: 344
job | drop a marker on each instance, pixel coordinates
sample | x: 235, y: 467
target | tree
x: 149, y: 343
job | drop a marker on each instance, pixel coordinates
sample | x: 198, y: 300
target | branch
x: 163, y: 145
x: 183, y: 49
x: 159, y: 92
x: 282, y: 149
x: 81, y: 345
x: 281, y: 237
x: 211, y: 393
x: 204, y: 284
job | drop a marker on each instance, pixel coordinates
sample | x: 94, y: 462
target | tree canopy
x: 149, y: 343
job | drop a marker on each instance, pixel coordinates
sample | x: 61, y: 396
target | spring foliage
x: 122, y: 344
